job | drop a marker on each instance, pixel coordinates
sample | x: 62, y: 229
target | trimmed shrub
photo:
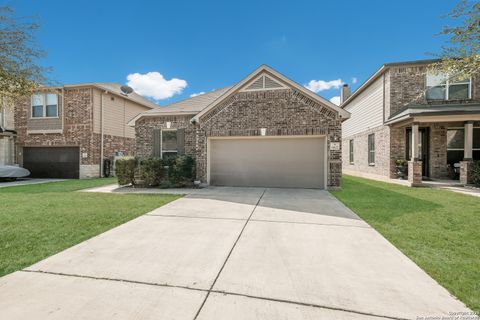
x: 151, y: 171
x: 475, y: 172
x: 181, y: 170
x: 125, y: 170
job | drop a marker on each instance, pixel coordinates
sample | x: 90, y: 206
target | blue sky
x: 211, y: 44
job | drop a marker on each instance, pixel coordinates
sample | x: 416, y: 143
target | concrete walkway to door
x: 231, y: 253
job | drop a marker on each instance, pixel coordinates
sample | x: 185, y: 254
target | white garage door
x: 297, y: 162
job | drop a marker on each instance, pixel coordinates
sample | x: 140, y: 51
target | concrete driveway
x: 231, y: 253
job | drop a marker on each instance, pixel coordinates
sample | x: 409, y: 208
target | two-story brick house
x: 65, y: 132
x: 404, y: 111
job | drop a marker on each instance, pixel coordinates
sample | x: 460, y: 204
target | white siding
x: 366, y: 110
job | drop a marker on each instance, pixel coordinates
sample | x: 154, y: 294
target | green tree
x: 20, y: 73
x: 460, y: 56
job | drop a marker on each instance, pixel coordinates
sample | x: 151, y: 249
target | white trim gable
x: 256, y: 82
x: 263, y: 82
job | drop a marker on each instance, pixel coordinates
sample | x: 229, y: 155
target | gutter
x: 131, y: 123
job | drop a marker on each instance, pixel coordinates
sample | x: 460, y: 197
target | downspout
x: 383, y: 102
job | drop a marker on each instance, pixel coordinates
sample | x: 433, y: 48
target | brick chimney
x: 344, y: 93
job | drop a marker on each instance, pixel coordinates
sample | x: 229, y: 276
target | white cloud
x: 154, y: 85
x: 321, y: 85
x: 335, y: 100
x: 197, y: 94
x: 354, y: 80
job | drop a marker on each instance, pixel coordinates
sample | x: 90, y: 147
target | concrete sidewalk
x: 27, y: 181
x: 231, y: 253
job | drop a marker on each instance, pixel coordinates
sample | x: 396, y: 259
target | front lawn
x: 37, y: 221
x: 438, y: 229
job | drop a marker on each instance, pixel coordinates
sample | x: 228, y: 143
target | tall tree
x: 20, y: 72
x: 460, y: 57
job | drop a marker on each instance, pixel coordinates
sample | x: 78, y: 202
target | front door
x: 423, y: 148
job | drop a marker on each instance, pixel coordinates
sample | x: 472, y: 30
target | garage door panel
x: 49, y: 162
x: 268, y: 162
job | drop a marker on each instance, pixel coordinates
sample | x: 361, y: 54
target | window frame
x: 461, y: 149
x: 161, y: 142
x: 447, y: 85
x: 44, y: 106
x: 351, y: 151
x: 371, y: 151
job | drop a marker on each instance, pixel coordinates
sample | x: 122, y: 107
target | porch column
x: 468, y: 152
x: 465, y: 165
x: 415, y: 166
x: 415, y: 140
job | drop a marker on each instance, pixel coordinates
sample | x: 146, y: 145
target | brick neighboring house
x: 405, y: 112
x: 265, y: 131
x: 59, y: 129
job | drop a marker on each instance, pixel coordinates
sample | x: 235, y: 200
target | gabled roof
x: 114, y: 88
x: 190, y: 106
x: 379, y: 72
x: 272, y: 73
x: 199, y: 105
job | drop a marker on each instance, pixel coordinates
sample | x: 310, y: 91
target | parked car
x: 11, y: 173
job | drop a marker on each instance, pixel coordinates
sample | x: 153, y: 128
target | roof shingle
x: 190, y: 106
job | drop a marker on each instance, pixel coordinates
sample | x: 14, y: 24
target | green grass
x: 37, y: 221
x: 438, y: 229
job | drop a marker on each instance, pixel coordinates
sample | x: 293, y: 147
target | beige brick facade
x: 283, y: 112
x: 360, y: 145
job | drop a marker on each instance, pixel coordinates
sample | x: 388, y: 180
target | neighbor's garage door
x: 52, y: 162
x: 268, y: 162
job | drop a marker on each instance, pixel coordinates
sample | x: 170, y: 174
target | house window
x: 371, y: 149
x: 45, y: 105
x: 440, y: 87
x: 456, y: 145
x: 351, y: 152
x: 169, y: 143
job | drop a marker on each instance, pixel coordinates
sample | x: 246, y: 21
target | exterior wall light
x: 263, y: 131
x: 169, y: 124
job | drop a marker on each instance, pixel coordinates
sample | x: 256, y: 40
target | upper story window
x: 441, y: 87
x: 45, y: 105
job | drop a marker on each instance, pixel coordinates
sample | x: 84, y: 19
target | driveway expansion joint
x: 165, y: 285
x: 191, y: 217
x: 311, y: 223
x: 229, y: 254
x: 113, y: 279
x: 305, y: 304
x: 208, y: 291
